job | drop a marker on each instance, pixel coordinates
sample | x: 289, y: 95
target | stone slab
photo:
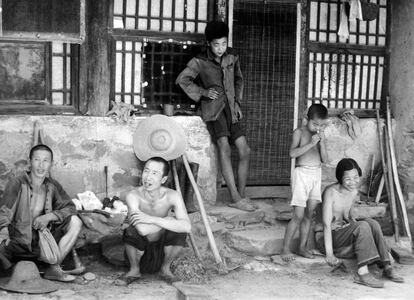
x: 191, y: 292
x: 370, y: 211
x: 257, y: 241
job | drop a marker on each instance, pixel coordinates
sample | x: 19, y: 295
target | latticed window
x: 38, y: 77
x: 153, y: 41
x: 61, y: 74
x: 347, y: 58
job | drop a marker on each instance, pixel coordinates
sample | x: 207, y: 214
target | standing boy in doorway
x: 214, y: 78
x: 309, y: 149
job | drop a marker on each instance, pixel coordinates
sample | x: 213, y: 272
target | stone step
x: 259, y: 240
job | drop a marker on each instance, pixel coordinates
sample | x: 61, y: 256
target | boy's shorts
x: 306, y: 185
x: 223, y: 126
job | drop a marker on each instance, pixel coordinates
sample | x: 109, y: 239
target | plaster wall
x: 82, y: 146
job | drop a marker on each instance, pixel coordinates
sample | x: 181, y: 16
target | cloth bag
x: 49, y: 250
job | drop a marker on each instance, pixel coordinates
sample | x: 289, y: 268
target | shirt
x: 225, y: 76
x: 15, y: 210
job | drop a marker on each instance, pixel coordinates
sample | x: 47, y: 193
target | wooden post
x: 203, y: 213
x: 94, y: 67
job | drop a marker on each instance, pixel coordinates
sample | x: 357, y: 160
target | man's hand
x: 41, y: 222
x: 332, y: 260
x: 315, y: 139
x: 140, y: 217
x: 211, y: 93
x: 4, y: 236
x: 238, y: 112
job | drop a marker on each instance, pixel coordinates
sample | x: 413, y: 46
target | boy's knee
x: 363, y: 227
x: 298, y: 217
x: 225, y: 148
x: 245, y: 152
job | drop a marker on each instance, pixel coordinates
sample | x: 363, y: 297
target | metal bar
x: 173, y: 16
x: 360, y: 81
x: 185, y: 16
x: 124, y: 13
x: 346, y: 65
x: 149, y: 15
x: 64, y: 73
x: 318, y: 19
x: 123, y: 72
x: 197, y: 4
x: 353, y: 80
x: 368, y: 79
x: 133, y: 73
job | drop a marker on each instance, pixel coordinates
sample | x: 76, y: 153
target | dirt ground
x: 267, y: 280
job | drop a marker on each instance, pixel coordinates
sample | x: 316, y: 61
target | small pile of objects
x: 88, y: 201
x: 189, y: 269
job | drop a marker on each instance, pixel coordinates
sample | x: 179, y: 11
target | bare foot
x: 306, y: 253
x: 287, y: 256
x: 166, y: 275
x: 133, y: 275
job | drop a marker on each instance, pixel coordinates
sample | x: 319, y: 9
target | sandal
x: 390, y: 275
x: 56, y: 273
x: 170, y: 279
x: 243, y: 204
x: 368, y: 280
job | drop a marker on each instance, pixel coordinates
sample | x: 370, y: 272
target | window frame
x: 343, y: 48
x: 45, y: 107
x: 135, y: 35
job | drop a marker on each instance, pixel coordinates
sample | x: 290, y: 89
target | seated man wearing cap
x: 31, y: 203
x: 154, y: 239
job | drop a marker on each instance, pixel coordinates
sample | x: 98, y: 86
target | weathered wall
x: 341, y: 145
x: 84, y: 145
x: 402, y: 93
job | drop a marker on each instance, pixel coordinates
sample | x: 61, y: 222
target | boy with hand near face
x: 214, y: 78
x: 309, y: 149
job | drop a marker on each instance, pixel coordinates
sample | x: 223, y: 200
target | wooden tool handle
x: 203, y: 213
x: 178, y: 189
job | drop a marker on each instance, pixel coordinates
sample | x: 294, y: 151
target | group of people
x: 34, y: 201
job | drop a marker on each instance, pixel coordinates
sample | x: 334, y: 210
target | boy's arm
x: 132, y: 201
x: 295, y: 150
x: 327, y: 229
x: 186, y: 81
x: 181, y: 222
x: 322, y: 148
x: 238, y: 82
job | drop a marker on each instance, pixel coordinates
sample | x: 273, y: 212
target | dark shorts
x: 153, y: 256
x: 169, y: 238
x: 223, y: 126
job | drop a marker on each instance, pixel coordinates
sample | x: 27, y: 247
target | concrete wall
x: 84, y: 145
x: 402, y: 93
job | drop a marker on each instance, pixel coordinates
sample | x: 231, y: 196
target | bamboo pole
x: 178, y: 189
x: 395, y: 173
x: 371, y: 174
x: 380, y: 188
x: 203, y: 213
x: 392, y: 201
x: 383, y: 160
